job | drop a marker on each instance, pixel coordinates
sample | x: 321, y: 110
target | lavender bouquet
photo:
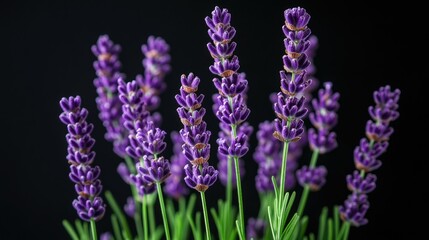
x: 127, y: 109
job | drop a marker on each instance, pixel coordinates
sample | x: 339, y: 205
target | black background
x: 46, y: 55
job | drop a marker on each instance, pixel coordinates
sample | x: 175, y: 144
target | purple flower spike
x: 354, y: 209
x: 315, y: 177
x: 289, y: 108
x: 292, y: 88
x: 107, y: 68
x: 357, y: 183
x: 255, y: 228
x: 198, y: 179
x: 130, y: 207
x: 324, y: 119
x: 89, y: 205
x: 367, y: 153
x: 196, y: 147
x: 231, y: 86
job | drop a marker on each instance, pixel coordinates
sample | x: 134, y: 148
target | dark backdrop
x: 46, y: 55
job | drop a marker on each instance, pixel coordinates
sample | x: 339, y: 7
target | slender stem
x: 306, y: 191
x: 229, y: 183
x: 283, y: 171
x: 240, y: 196
x: 144, y: 214
x: 152, y: 220
x: 206, y: 215
x: 93, y: 229
x: 362, y: 173
x: 303, y: 200
x: 314, y: 158
x: 164, y: 214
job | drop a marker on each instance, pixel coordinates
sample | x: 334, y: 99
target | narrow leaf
x: 70, y: 230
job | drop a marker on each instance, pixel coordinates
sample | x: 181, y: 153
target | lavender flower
x: 134, y: 116
x: 107, y: 68
x: 156, y: 64
x: 357, y: 183
x: 106, y: 236
x: 88, y: 205
x: 152, y: 168
x: 130, y: 207
x: 324, y: 119
x: 196, y: 148
x: 354, y: 209
x: 255, y: 228
x: 314, y: 177
x: 230, y: 104
x: 200, y: 178
x: 174, y: 186
x: 366, y: 155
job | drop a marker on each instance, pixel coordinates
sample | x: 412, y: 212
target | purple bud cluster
x: 199, y: 175
x: 378, y: 131
x: 107, y: 67
x: 321, y: 139
x: 156, y: 63
x: 89, y: 205
x: 230, y: 102
x: 290, y: 105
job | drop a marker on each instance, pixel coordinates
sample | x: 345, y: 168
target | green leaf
x: 271, y: 223
x: 290, y: 228
x: 336, y: 221
x: 115, y: 225
x: 322, y: 223
x: 276, y: 195
x: 70, y: 230
x: 239, y: 230
x: 119, y: 213
x: 83, y: 233
x: 217, y: 221
x: 303, y: 227
x: 330, y: 229
x: 312, y: 236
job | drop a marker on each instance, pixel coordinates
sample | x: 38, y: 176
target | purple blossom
x: 124, y: 172
x: 324, y: 118
x: 359, y: 184
x: 354, y: 209
x: 367, y: 153
x: 106, y: 236
x: 88, y: 205
x: 200, y: 179
x: 156, y: 63
x: 230, y: 104
x: 196, y: 148
x: 130, y: 207
x: 107, y: 68
x: 153, y: 170
x: 314, y: 178
x: 255, y: 228
x: 174, y: 185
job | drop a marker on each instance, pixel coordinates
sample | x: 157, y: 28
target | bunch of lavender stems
x: 128, y: 112
x: 230, y: 106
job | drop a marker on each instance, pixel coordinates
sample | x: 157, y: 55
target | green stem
x: 283, y: 171
x: 144, y: 214
x: 206, y: 215
x: 303, y: 200
x: 240, y: 196
x: 93, y: 229
x: 306, y: 191
x: 152, y: 219
x: 164, y: 214
x: 314, y: 158
x: 229, y: 183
